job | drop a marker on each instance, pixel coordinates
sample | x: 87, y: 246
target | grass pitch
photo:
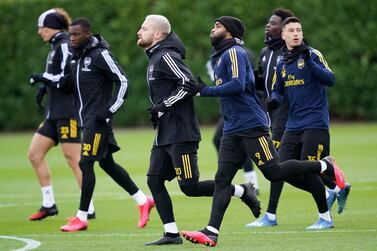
x: 353, y: 145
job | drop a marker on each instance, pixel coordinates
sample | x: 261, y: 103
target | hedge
x: 341, y: 30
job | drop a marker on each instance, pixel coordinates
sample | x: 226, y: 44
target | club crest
x: 300, y: 63
x: 283, y: 73
x: 150, y: 73
x: 87, y: 61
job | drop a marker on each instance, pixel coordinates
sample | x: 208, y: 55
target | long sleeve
x: 235, y: 67
x: 277, y: 85
x: 320, y: 68
x: 115, y: 73
x: 174, y: 68
x: 65, y: 56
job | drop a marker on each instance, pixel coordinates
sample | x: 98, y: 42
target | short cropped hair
x: 283, y: 13
x: 290, y: 20
x: 83, y: 22
x: 160, y: 22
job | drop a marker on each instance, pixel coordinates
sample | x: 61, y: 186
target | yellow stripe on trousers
x: 73, y: 128
x: 266, y: 149
x: 186, y: 166
x: 97, y: 138
x: 319, y: 151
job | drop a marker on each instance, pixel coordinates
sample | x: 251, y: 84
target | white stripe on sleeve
x: 65, y: 54
x: 123, y: 81
x: 175, y: 69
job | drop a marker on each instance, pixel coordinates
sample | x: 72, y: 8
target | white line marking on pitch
x: 233, y: 233
x: 100, y: 196
x: 30, y: 244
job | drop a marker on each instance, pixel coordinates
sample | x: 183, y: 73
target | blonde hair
x: 64, y: 13
x: 160, y: 23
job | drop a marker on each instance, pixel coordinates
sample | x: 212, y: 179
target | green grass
x: 353, y: 145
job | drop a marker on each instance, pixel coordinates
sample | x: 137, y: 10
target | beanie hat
x: 233, y: 25
x: 52, y: 19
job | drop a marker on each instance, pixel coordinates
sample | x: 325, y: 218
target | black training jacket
x: 269, y: 57
x: 59, y: 105
x: 93, y: 74
x: 166, y: 74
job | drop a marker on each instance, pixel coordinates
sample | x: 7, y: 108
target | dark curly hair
x: 282, y: 13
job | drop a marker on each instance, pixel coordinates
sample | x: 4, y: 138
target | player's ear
x: 158, y: 35
x: 283, y: 34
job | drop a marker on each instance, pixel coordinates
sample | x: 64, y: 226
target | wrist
x: 109, y: 113
x: 203, y: 91
x: 165, y: 105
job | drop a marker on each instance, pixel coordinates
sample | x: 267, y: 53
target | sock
x: 48, y: 196
x: 337, y: 189
x: 172, y: 235
x: 327, y: 194
x: 82, y: 215
x: 252, y: 177
x: 326, y: 216
x: 171, y: 227
x: 212, y: 229
x: 271, y: 216
x: 323, y: 166
x: 238, y: 191
x: 140, y: 198
x: 91, y: 207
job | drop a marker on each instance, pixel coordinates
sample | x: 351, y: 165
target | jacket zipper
x: 150, y: 98
x: 266, y: 86
x: 78, y: 91
x: 46, y: 70
x: 267, y: 74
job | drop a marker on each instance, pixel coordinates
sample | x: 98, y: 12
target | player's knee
x: 154, y: 182
x: 189, y: 189
x: 271, y: 177
x: 34, y: 157
x: 71, y: 160
x: 31, y: 156
x: 105, y: 165
x: 222, y: 180
x: 85, y: 165
x: 272, y: 173
x: 107, y: 161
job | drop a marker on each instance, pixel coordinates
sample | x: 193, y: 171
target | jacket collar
x: 57, y: 37
x: 152, y: 49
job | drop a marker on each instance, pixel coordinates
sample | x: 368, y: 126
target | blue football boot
x: 331, y: 199
x: 342, y: 197
x: 321, y: 224
x: 262, y: 222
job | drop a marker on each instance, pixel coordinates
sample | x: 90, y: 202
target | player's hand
x: 65, y: 84
x: 42, y: 90
x: 154, y: 121
x: 194, y: 88
x: 153, y: 116
x: 158, y: 110
x: 272, y: 104
x: 104, y: 117
x: 306, y: 53
x: 36, y: 78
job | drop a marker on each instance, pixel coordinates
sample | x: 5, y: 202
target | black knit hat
x: 233, y: 25
x: 52, y: 19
